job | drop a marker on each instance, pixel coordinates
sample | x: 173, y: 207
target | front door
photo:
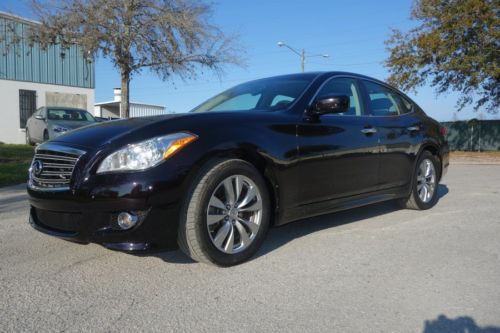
x: 339, y: 153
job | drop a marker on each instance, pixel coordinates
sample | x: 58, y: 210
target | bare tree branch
x: 167, y: 37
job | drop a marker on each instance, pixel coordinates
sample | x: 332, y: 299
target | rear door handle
x: 413, y: 128
x: 369, y: 130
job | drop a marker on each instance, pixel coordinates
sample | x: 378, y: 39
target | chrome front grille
x: 53, y: 166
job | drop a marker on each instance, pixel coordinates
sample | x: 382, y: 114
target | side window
x: 281, y: 100
x: 39, y: 112
x: 239, y: 103
x: 385, y: 102
x: 406, y: 105
x: 348, y: 87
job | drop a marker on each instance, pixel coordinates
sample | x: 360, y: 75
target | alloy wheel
x: 426, y: 180
x: 234, y: 214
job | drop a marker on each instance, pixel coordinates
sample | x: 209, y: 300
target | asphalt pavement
x: 372, y: 269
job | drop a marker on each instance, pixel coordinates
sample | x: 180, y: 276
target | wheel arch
x: 433, y: 148
x: 251, y: 156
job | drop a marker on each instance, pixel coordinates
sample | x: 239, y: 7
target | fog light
x: 127, y: 220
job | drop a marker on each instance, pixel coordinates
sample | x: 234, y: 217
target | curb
x: 13, y: 188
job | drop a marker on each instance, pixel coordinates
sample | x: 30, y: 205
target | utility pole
x: 302, y: 55
x: 302, y: 60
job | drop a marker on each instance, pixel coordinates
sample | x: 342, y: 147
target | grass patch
x: 15, y: 161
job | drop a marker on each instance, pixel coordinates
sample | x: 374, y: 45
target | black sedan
x: 263, y: 153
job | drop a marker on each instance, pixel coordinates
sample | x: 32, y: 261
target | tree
x: 168, y: 37
x: 455, y: 47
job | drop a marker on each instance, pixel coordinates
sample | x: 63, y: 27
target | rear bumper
x: 445, y: 160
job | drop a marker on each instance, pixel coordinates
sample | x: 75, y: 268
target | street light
x: 301, y: 54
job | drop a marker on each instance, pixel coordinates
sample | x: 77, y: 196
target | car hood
x: 118, y: 131
x: 70, y: 124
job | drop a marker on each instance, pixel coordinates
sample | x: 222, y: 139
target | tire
x: 415, y: 201
x: 205, y: 242
x: 45, y: 136
x: 28, y: 138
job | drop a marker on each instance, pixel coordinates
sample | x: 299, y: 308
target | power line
x: 347, y: 65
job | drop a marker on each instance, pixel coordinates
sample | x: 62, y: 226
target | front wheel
x: 226, y: 214
x: 425, y: 183
x: 28, y: 138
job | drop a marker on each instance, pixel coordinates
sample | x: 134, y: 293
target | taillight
x: 443, y: 130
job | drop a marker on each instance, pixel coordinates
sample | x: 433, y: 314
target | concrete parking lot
x: 374, y: 269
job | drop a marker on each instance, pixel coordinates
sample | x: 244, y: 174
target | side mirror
x: 332, y: 103
x: 40, y: 117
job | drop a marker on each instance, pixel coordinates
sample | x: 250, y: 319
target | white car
x: 49, y: 122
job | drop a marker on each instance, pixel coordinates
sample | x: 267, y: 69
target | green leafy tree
x: 455, y: 47
x: 168, y: 37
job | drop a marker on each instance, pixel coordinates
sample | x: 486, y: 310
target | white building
x: 31, y: 77
x: 112, y: 109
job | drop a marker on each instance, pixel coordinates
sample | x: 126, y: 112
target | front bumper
x: 86, y: 210
x: 89, y: 214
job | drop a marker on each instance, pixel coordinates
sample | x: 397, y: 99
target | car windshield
x: 75, y: 115
x: 267, y: 94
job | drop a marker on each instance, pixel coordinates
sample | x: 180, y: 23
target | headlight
x: 145, y: 154
x: 59, y: 129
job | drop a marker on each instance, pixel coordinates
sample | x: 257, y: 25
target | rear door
x: 399, y: 130
x: 338, y: 152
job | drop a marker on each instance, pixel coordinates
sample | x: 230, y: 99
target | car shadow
x: 279, y: 236
x: 463, y: 324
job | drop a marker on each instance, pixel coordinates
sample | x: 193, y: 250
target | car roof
x: 311, y: 75
x: 317, y: 74
x: 329, y: 73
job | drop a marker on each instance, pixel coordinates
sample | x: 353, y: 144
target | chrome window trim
x: 338, y: 76
x: 397, y: 92
x: 413, y: 104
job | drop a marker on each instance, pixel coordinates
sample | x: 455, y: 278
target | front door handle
x: 369, y: 130
x: 413, y: 128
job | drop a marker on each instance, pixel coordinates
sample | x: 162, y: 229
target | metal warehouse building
x: 112, y: 109
x: 31, y: 77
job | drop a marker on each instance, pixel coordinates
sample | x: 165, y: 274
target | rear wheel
x: 425, y: 183
x: 226, y: 215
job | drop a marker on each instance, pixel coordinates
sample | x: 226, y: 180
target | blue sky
x: 352, y: 32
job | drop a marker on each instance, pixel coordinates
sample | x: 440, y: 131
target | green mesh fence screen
x: 474, y: 135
